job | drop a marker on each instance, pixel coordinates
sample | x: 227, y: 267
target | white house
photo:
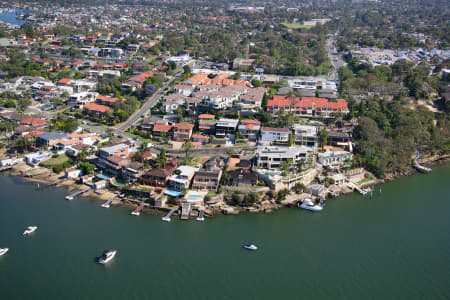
x: 270, y: 134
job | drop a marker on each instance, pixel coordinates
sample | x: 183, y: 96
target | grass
x: 364, y: 180
x: 211, y: 194
x: 295, y: 25
x: 49, y: 163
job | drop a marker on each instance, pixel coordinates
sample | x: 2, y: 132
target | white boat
x: 30, y: 230
x: 251, y: 247
x: 107, y: 256
x: 201, y: 219
x: 68, y: 198
x: 135, y: 213
x: 3, y: 251
x: 105, y: 205
x: 308, y: 204
x: 165, y: 219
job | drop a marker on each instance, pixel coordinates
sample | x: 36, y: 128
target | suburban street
x: 145, y: 107
x: 334, y: 57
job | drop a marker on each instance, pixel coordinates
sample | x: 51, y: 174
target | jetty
x: 355, y: 187
x: 72, y: 196
x: 107, y: 204
x: 137, y: 211
x: 185, y: 211
x: 9, y: 167
x: 167, y: 217
x: 418, y: 166
x: 201, y: 216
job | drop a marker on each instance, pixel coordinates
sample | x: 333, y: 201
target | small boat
x: 30, y: 230
x: 251, y: 247
x: 165, y: 219
x: 308, y: 204
x: 107, y: 256
x: 201, y: 219
x: 3, y: 251
x: 135, y: 213
x: 68, y: 198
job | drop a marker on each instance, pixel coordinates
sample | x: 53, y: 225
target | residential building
x: 305, y: 135
x: 108, y: 101
x: 242, y: 177
x: 333, y: 158
x: 208, y: 178
x: 249, y: 129
x: 182, y: 178
x: 156, y: 177
x: 49, y: 139
x: 132, y: 171
x: 272, y: 156
x: 120, y: 149
x: 182, y: 131
x: 307, y: 106
x: 95, y: 110
x: 271, y: 134
x: 226, y: 127
x: 206, y: 123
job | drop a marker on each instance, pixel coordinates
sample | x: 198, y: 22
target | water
x: 395, y: 246
x: 10, y: 17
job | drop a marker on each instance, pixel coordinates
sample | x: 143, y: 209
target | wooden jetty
x: 72, y: 196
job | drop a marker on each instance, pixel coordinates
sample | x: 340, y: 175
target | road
x: 334, y: 57
x: 145, y: 107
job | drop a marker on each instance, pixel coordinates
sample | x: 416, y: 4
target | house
x: 242, y: 177
x: 338, y: 138
x: 79, y: 100
x: 72, y: 173
x: 132, y: 171
x: 148, y: 123
x: 35, y: 123
x: 182, y: 178
x: 251, y: 100
x: 49, y: 139
x: 208, y: 178
x: 206, y: 123
x: 108, y: 101
x: 307, y: 106
x: 271, y: 134
x: 113, y: 164
x: 202, y: 139
x: 156, y: 177
x: 226, y: 127
x: 101, y: 184
x: 242, y: 63
x: 315, y: 189
x: 249, y: 129
x: 185, y: 90
x: 182, y: 131
x: 120, y: 150
x: 305, y: 135
x: 162, y: 130
x: 333, y: 158
x: 95, y: 110
x: 33, y: 159
x: 271, y: 157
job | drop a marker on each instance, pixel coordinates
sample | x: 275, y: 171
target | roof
x: 33, y: 121
x: 96, y: 107
x: 285, y: 130
x: 162, y: 127
x: 52, y: 136
x: 184, y: 126
x: 108, y: 99
x: 159, y: 172
x: 206, y: 116
x: 65, y: 80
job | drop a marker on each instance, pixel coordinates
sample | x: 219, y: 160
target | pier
x: 137, y: 211
x: 355, y: 187
x: 185, y: 211
x: 167, y: 217
x: 107, y: 204
x: 201, y: 215
x: 72, y: 196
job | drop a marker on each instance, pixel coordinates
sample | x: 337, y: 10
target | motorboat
x: 135, y: 213
x: 107, y: 256
x: 308, y: 204
x: 3, y: 251
x: 251, y: 247
x: 165, y: 219
x: 30, y: 230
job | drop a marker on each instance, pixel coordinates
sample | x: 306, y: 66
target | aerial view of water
x: 11, y: 17
x: 393, y: 246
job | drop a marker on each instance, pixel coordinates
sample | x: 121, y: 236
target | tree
x: 323, y: 137
x: 187, y: 146
x: 162, y: 159
x: 87, y: 167
x: 23, y: 103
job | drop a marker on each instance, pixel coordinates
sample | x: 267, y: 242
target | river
x: 394, y: 246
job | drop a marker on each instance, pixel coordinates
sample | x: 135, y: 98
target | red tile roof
x: 162, y: 127
x: 184, y: 126
x: 96, y: 107
x: 33, y: 121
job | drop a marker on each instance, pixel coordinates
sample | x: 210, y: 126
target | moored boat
x: 308, y: 204
x: 3, y: 251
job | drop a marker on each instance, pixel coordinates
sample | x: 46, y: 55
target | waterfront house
x: 334, y: 158
x: 208, y: 178
x: 271, y: 157
x: 242, y: 177
x: 49, y: 139
x: 132, y: 171
x: 34, y: 159
x: 271, y: 134
x: 182, y: 177
x: 72, y: 173
x: 156, y: 177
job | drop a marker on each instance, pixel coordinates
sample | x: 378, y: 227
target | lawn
x: 49, y: 163
x: 295, y: 25
x: 364, y: 180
